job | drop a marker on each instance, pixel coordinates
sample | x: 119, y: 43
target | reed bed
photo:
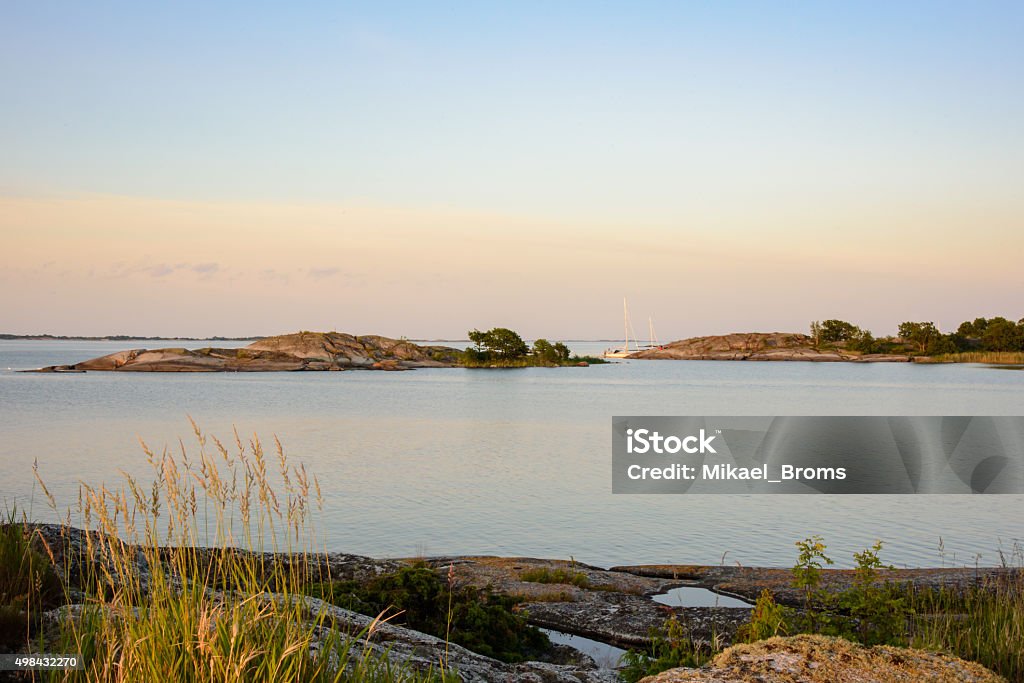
x: 171, y: 582
x: 990, y: 357
x: 982, y: 623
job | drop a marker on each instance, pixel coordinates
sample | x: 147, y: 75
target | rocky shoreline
x: 612, y: 606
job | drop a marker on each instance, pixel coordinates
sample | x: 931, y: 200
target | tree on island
x: 835, y: 331
x: 500, y: 341
x: 844, y: 333
x: 550, y: 353
x: 974, y: 329
x: 503, y: 347
x: 996, y: 334
x: 1002, y: 335
x: 921, y: 334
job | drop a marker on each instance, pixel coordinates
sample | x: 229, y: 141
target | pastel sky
x: 421, y: 169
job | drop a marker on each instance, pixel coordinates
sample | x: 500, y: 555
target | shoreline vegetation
x: 501, y: 347
x: 993, y: 341
x: 214, y: 571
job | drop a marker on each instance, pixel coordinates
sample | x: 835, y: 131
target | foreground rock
x: 817, y: 659
x: 780, y: 346
x: 283, y: 353
x: 614, y: 606
x: 609, y: 606
x: 424, y: 652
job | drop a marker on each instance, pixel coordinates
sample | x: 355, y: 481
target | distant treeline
x: 980, y: 334
x: 119, y: 337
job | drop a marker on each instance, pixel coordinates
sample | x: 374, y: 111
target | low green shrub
x: 559, y: 575
x: 481, y: 620
x: 766, y: 621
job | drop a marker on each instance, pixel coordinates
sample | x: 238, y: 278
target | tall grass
x: 28, y: 584
x: 983, y: 623
x: 176, y: 586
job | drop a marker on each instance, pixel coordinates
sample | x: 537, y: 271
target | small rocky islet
x: 761, y: 346
x: 315, y: 351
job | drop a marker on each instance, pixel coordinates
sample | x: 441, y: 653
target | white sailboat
x: 625, y: 350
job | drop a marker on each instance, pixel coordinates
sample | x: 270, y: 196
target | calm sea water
x: 510, y: 462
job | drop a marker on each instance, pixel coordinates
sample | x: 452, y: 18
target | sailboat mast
x: 625, y: 321
x: 654, y: 337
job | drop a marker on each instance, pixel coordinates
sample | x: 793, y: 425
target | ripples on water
x: 511, y: 462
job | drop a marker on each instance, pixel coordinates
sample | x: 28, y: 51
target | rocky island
x: 830, y: 341
x: 982, y: 340
x: 778, y: 346
x: 319, y: 351
x: 282, y: 353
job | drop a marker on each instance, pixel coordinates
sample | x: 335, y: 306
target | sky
x: 422, y: 169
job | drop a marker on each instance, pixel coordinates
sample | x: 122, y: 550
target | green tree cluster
x: 924, y: 337
x: 839, y: 332
x: 986, y: 334
x: 550, y: 354
x: 500, y: 342
x: 921, y: 334
x: 835, y: 331
x: 993, y: 334
x: 503, y: 347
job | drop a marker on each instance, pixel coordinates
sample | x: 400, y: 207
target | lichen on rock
x: 821, y: 659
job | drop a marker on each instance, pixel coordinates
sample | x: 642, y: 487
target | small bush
x: 766, y: 621
x: 480, y: 620
x: 672, y: 646
x: 879, y: 609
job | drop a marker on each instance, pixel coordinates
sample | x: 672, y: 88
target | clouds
x: 211, y: 271
x: 206, y: 270
x: 323, y: 273
x: 437, y: 271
